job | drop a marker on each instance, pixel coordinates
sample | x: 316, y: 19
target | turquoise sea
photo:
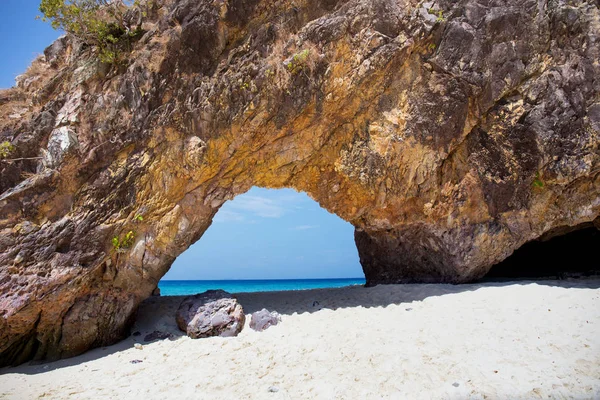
x: 179, y: 288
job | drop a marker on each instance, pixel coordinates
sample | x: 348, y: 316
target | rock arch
x: 448, y: 136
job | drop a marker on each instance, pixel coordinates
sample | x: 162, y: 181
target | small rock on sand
x: 263, y: 319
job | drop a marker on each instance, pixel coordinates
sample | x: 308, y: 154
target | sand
x: 521, y: 340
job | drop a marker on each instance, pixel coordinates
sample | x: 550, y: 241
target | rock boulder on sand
x: 263, y: 319
x: 212, y: 313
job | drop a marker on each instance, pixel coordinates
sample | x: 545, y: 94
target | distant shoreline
x: 257, y: 280
x: 188, y: 287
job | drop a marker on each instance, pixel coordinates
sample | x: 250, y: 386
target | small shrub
x: 438, y: 13
x: 538, y: 182
x: 6, y: 148
x: 122, y: 244
x: 101, y: 23
x: 286, y: 62
x: 298, y: 62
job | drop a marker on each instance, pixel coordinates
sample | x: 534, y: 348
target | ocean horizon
x: 187, y: 287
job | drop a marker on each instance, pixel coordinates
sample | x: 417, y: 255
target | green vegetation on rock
x: 538, y: 182
x: 298, y: 62
x: 110, y: 25
x: 5, y: 149
x: 120, y: 244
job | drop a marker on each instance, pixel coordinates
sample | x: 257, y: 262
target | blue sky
x: 23, y: 37
x: 263, y: 234
x: 271, y: 234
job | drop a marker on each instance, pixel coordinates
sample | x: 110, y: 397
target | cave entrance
x: 573, y: 253
x: 263, y: 239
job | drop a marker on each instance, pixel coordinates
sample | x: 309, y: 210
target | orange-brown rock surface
x: 448, y: 133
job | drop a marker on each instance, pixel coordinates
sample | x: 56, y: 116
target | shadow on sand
x: 156, y: 315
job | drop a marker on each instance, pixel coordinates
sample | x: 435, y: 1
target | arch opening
x: 565, y: 252
x: 268, y: 239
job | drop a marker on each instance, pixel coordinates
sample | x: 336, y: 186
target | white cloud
x: 258, y: 206
x: 228, y: 216
x: 305, y: 227
x: 274, y: 204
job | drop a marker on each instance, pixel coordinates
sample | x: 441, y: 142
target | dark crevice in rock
x: 24, y: 348
x: 570, y: 252
x: 63, y: 247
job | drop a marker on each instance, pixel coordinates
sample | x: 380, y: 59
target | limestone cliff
x: 448, y: 133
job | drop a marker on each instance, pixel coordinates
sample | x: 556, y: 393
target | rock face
x: 212, y: 313
x: 264, y: 319
x: 448, y: 133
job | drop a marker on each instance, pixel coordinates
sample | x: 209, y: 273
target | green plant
x: 298, y: 61
x: 440, y: 16
x: 106, y: 24
x: 5, y: 149
x: 121, y: 244
x: 438, y: 13
x: 138, y: 218
x: 538, y: 182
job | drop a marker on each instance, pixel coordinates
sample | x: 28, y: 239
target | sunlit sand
x: 493, y: 340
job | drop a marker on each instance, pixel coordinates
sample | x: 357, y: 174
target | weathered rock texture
x: 263, y: 319
x: 212, y: 313
x: 449, y: 134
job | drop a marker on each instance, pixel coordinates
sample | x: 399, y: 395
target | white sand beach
x: 521, y: 340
